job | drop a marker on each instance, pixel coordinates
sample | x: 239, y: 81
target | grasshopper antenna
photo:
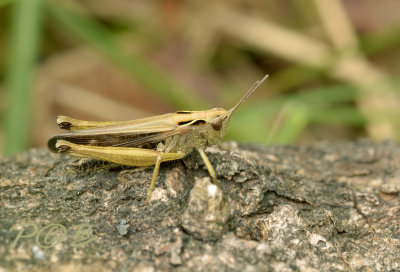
x: 249, y: 92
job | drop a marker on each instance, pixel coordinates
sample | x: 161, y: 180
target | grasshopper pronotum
x: 147, y: 141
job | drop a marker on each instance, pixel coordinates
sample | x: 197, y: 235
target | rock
x: 207, y: 213
x: 330, y: 206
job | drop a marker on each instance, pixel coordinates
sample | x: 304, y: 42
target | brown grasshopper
x: 147, y: 141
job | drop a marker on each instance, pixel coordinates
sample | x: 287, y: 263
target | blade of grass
x: 291, y: 121
x: 139, y: 68
x: 370, y: 45
x: 259, y: 118
x: 326, y: 95
x: 342, y: 115
x: 375, y: 43
x: 294, y: 76
x: 23, y: 52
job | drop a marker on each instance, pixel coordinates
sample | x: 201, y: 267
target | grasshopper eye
x: 216, y: 124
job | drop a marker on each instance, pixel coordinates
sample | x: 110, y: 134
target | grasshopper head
x: 221, y: 118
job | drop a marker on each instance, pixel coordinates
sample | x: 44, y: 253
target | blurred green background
x: 334, y: 65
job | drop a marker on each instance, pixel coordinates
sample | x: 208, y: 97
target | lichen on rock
x: 327, y: 205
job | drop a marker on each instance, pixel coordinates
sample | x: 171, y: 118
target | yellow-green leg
x: 154, y: 178
x: 121, y: 155
x: 209, y: 166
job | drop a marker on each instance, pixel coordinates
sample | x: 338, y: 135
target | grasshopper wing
x: 135, y: 133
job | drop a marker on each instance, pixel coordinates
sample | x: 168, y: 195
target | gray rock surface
x: 322, y: 207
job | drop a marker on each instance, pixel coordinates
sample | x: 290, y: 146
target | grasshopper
x: 147, y: 141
